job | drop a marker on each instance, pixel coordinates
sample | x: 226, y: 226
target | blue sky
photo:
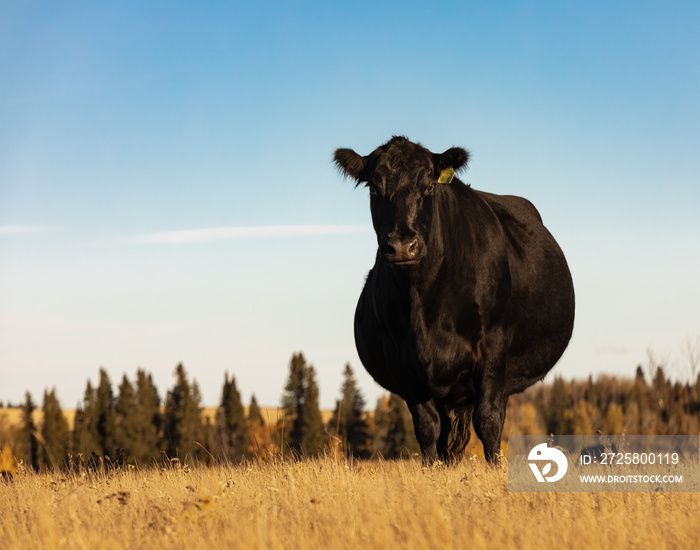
x: 167, y: 192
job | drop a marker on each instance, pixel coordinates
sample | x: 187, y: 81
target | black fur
x: 469, y: 301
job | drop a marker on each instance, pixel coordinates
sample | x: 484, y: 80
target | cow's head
x: 402, y: 178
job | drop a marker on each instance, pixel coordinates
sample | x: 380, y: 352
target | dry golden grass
x: 331, y: 504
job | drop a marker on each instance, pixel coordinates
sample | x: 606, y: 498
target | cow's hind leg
x: 443, y: 447
x: 460, y: 428
x: 454, y: 432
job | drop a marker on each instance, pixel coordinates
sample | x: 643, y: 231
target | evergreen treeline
x: 135, y: 426
x: 620, y: 406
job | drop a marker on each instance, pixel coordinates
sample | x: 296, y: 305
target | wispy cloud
x: 20, y: 229
x: 219, y: 234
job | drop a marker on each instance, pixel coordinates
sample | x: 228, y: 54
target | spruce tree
x: 303, y: 421
x: 85, y: 437
x: 254, y: 412
x: 293, y: 402
x: 381, y: 425
x: 105, y: 415
x: 231, y: 426
x: 314, y: 434
x: 127, y: 420
x: 28, y: 434
x: 555, y: 418
x: 400, y: 439
x: 637, y: 397
x: 348, y: 420
x: 151, y: 419
x: 54, y: 433
x: 261, y: 443
x: 207, y: 439
x: 659, y: 381
x: 182, y: 417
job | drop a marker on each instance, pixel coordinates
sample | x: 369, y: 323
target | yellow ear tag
x: 446, y: 175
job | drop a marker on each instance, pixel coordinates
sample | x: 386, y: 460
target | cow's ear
x: 455, y: 158
x: 349, y: 163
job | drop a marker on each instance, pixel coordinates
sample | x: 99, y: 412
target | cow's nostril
x: 389, y: 249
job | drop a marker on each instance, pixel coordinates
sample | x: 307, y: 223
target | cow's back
x: 541, y: 309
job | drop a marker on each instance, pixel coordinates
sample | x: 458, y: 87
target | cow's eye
x: 429, y: 189
x: 372, y: 190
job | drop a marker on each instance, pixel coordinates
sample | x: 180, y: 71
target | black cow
x: 470, y: 298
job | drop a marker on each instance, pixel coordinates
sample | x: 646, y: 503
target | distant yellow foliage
x: 8, y: 466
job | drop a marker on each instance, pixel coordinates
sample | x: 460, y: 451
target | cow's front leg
x: 490, y: 412
x: 489, y: 418
x: 426, y: 424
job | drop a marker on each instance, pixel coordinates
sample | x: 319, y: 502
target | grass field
x: 329, y: 503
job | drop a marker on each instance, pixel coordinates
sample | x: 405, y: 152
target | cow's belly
x: 388, y: 353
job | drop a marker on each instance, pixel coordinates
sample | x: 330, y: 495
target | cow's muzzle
x: 403, y: 251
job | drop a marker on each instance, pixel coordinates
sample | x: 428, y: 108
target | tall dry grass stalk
x: 331, y: 504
